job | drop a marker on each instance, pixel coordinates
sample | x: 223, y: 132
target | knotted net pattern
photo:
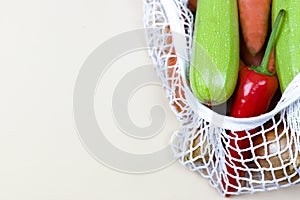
x: 203, y: 144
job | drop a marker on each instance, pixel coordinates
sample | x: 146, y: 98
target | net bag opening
x: 207, y: 141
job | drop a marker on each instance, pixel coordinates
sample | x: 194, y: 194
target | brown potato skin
x: 275, y: 153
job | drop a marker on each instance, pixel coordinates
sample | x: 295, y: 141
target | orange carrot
x: 178, y: 93
x: 247, y: 57
x: 192, y: 5
x: 173, y: 73
x: 271, y: 63
x: 255, y: 60
x: 254, y: 18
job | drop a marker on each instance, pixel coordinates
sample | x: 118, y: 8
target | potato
x: 278, y: 151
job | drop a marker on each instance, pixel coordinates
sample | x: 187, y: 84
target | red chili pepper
x: 256, y: 87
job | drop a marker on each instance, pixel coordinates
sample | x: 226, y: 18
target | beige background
x: 43, y: 44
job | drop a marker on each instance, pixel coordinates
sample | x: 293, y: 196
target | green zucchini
x: 215, y: 53
x: 287, y: 46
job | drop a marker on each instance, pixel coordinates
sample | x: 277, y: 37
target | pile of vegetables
x: 245, y: 52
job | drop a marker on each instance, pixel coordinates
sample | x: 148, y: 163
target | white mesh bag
x: 203, y: 144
